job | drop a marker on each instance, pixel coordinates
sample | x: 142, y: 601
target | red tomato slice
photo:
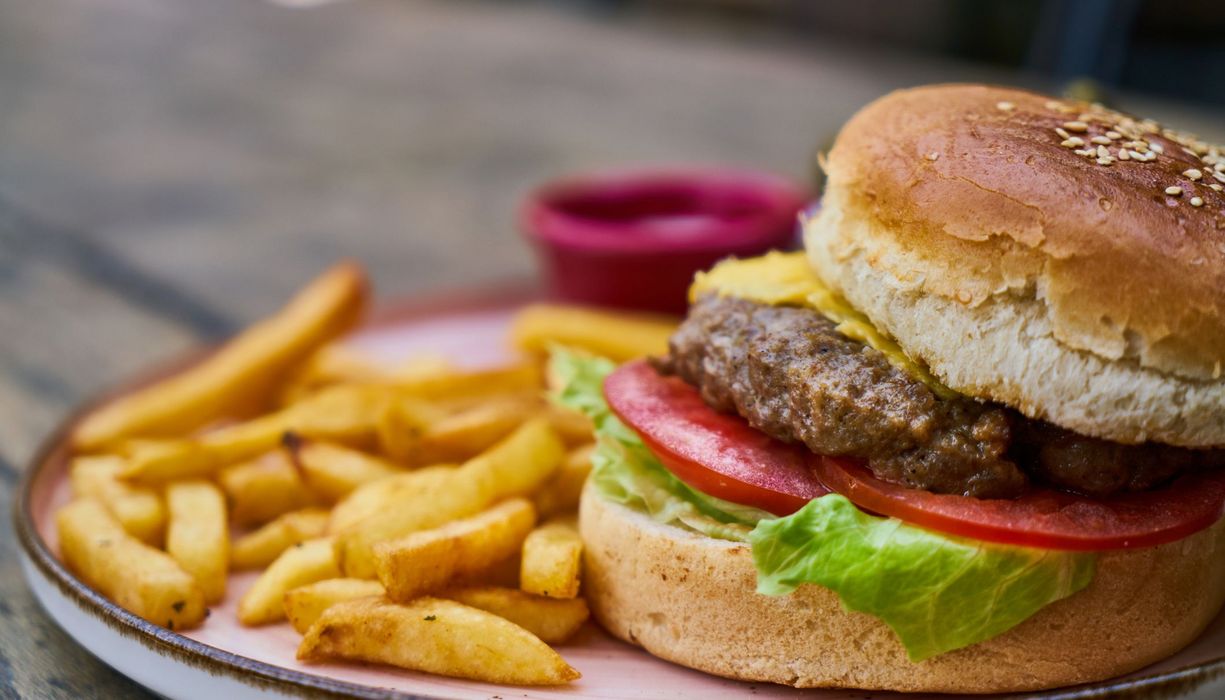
x: 720, y: 455
x: 723, y: 456
x: 1044, y: 518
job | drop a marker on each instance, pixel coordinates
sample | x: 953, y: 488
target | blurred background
x: 172, y: 169
x: 186, y: 138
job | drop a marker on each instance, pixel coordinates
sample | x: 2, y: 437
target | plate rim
x: 264, y: 675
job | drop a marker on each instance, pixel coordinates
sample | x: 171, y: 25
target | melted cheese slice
x: 786, y: 279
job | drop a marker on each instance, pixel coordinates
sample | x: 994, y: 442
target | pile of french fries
x: 418, y: 515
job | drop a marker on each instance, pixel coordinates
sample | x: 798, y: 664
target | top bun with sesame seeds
x: 1055, y: 256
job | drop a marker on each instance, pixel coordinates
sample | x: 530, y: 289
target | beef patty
x: 793, y: 376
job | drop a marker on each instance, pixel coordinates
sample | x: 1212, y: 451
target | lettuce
x: 937, y: 592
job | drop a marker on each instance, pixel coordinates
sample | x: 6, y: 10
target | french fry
x: 197, y: 535
x: 562, y: 492
x: 427, y: 560
x: 341, y: 364
x: 617, y: 336
x: 346, y: 413
x: 137, y: 577
x: 401, y: 426
x: 239, y: 376
x: 332, y: 472
x: 517, y: 466
x: 264, y: 488
x: 462, y: 435
x: 574, y: 428
x: 554, y: 620
x: 552, y: 558
x: 304, y: 605
x: 258, y: 549
x: 504, y: 573
x: 386, y: 510
x: 137, y: 508
x: 420, y: 366
x: 469, y: 385
x: 435, y: 636
x: 335, y: 363
x: 304, y: 563
x: 370, y: 499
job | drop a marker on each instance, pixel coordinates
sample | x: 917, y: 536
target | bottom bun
x: 691, y: 599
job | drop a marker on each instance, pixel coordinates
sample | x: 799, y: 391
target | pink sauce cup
x: 634, y: 239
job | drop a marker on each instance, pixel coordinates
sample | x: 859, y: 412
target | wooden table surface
x: 170, y: 170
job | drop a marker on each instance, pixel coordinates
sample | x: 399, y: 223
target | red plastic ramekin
x: 634, y: 239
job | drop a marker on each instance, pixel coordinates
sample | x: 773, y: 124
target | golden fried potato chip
x: 427, y: 560
x: 139, y: 509
x: 517, y: 466
x: 561, y: 493
x: 258, y: 549
x: 198, y: 534
x: 303, y: 563
x: 345, y: 413
x: 241, y: 375
x: 435, y: 636
x: 138, y: 578
x: 617, y: 336
x: 264, y: 488
x: 552, y: 560
x: 333, y: 471
x: 304, y: 605
x: 554, y: 620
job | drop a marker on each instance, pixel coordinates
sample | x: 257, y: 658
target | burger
x: 969, y: 440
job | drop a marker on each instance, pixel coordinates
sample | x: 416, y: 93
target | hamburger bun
x: 691, y: 599
x: 1025, y: 267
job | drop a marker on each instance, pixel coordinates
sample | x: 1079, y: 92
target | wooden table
x: 171, y: 170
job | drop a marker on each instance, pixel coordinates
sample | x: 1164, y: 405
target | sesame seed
x: 1220, y: 177
x: 1197, y: 202
x: 1073, y: 142
x: 1085, y: 152
x: 1100, y: 140
x: 1005, y: 106
x: 1193, y: 174
x: 933, y: 156
x: 1156, y: 148
x: 1113, y: 135
x: 1173, y: 191
x: 1215, y: 187
x: 1107, y: 160
x: 1102, y: 152
x: 1123, y: 154
x: 1063, y: 133
x: 1219, y: 167
x: 1076, y: 126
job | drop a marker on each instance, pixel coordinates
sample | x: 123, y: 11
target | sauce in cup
x: 634, y: 239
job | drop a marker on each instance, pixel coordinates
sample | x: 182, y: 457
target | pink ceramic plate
x: 223, y: 659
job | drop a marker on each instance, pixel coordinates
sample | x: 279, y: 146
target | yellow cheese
x: 786, y: 279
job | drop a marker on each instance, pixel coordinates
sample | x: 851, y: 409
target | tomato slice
x: 1043, y: 517
x: 723, y: 456
x: 720, y: 455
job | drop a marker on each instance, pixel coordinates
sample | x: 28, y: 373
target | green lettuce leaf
x: 938, y: 593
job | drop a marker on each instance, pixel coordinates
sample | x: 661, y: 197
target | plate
x: 224, y: 659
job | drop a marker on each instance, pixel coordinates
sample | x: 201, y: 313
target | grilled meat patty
x: 793, y: 376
